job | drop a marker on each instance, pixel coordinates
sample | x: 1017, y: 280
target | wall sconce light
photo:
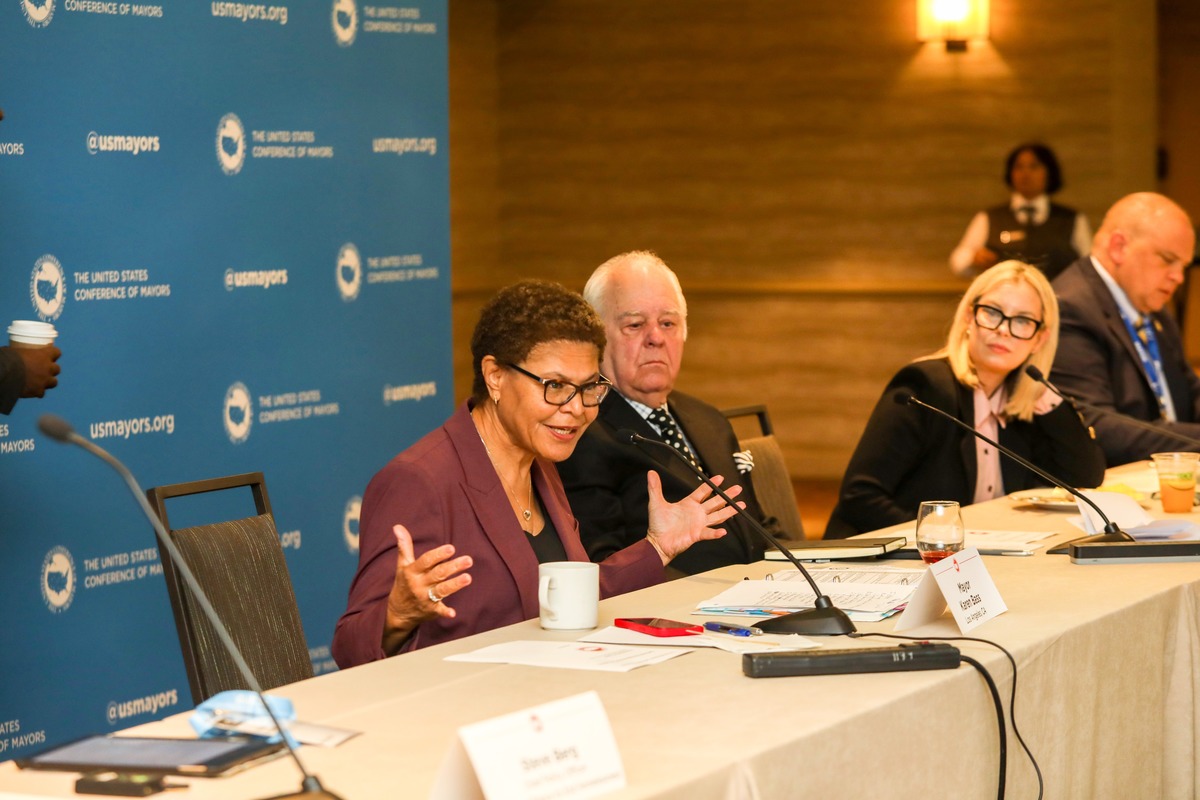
x: 954, y: 22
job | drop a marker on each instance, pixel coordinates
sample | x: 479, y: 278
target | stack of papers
x: 570, y: 655
x: 1007, y: 543
x: 866, y: 594
x: 762, y: 643
x: 1133, y: 519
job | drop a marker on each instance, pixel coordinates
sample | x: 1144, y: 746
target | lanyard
x: 1151, y: 358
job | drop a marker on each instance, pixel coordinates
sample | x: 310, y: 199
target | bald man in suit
x: 1119, y: 351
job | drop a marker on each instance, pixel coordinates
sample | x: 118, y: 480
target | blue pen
x: 732, y: 630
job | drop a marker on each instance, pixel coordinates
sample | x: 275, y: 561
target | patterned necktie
x: 670, y: 434
x: 1142, y: 325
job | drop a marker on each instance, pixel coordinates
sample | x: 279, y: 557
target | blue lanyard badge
x: 1146, y: 344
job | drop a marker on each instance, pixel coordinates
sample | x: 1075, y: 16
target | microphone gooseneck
x: 1112, y: 533
x: 60, y: 430
x: 56, y: 428
x: 1037, y: 375
x: 825, y: 619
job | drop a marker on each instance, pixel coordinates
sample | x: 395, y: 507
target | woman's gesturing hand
x: 421, y: 587
x: 674, y: 527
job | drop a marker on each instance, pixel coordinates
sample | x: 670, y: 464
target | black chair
x: 240, y: 565
x: 772, y: 482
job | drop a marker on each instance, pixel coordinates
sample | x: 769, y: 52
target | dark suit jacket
x: 12, y: 379
x: 1097, y: 363
x: 445, y: 490
x: 605, y: 480
x: 907, y: 454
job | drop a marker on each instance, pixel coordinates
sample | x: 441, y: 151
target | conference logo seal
x: 350, y: 523
x: 47, y: 288
x: 231, y: 144
x: 349, y: 272
x: 239, y: 413
x: 58, y: 579
x: 38, y: 13
x: 345, y: 22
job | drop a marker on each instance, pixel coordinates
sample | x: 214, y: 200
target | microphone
x: 60, y: 430
x: 825, y: 619
x: 1112, y: 533
x: 1037, y: 375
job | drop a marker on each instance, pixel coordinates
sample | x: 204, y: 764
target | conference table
x: 1107, y: 699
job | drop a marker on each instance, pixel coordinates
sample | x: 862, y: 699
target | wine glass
x: 939, y: 530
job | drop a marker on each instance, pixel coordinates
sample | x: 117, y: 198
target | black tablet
x: 148, y: 756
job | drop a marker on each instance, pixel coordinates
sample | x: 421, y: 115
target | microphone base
x: 311, y: 789
x: 1097, y: 538
x: 810, y: 622
x: 1110, y: 536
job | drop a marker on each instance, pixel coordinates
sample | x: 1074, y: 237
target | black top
x: 12, y: 379
x: 605, y: 479
x: 1047, y: 246
x: 908, y: 454
x: 546, y: 545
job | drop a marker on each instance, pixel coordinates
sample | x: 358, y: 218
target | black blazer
x: 605, y: 480
x: 1098, y: 364
x: 12, y: 379
x: 907, y: 455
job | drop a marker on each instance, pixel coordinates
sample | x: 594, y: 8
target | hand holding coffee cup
x: 33, y: 342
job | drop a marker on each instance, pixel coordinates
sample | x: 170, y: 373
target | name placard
x: 562, y: 749
x: 960, y: 581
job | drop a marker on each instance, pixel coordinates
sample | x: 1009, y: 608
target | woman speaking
x: 452, y: 530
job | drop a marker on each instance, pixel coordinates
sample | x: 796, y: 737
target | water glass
x: 939, y: 530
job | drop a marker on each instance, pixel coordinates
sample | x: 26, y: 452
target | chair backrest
x: 240, y: 565
x: 772, y: 482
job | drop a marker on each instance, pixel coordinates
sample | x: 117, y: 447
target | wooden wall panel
x: 825, y: 367
x: 1179, y: 112
x: 806, y: 168
x: 474, y: 166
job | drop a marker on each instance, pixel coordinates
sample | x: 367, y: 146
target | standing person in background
x: 1029, y: 227
x: 26, y: 372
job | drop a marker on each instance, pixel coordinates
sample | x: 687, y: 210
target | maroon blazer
x: 445, y: 490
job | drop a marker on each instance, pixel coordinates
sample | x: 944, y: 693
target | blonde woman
x: 1007, y: 319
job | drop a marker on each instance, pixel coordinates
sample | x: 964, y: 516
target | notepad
x: 829, y: 549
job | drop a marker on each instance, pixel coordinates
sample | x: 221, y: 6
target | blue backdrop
x: 236, y: 215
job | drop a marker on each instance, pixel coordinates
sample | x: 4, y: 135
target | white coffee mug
x: 568, y: 594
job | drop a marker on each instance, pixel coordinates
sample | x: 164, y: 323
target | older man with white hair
x: 644, y: 312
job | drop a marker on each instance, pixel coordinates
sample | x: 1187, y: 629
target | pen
x: 732, y: 630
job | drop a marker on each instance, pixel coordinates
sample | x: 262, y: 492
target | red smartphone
x: 658, y: 627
